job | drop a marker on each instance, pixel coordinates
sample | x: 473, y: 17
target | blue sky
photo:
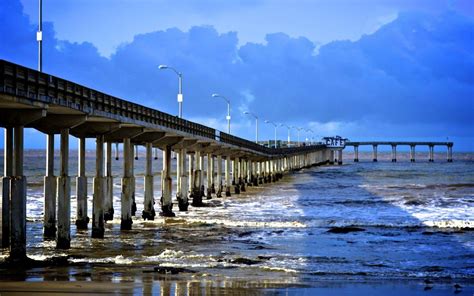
x: 361, y: 69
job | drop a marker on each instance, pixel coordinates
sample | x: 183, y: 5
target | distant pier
x: 375, y: 144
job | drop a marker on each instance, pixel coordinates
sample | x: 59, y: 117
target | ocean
x: 329, y: 226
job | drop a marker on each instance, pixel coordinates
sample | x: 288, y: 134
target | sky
x: 365, y: 70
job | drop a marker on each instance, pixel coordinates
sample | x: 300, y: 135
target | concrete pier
x: 109, y: 184
x: 242, y: 174
x: 7, y: 176
x: 50, y: 189
x: 227, y: 176
x: 166, y: 202
x: 99, y: 191
x: 201, y: 174
x: 149, y: 201
x: 18, y: 200
x: 219, y: 176
x: 128, y: 186
x: 411, y: 144
x: 374, y: 153
x: 356, y: 153
x: 182, y: 186
x: 63, y: 240
x: 81, y: 187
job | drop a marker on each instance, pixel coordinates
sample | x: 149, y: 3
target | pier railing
x: 37, y: 87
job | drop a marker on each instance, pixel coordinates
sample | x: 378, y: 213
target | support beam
x: 166, y: 202
x: 128, y: 187
x: 6, y: 190
x: 182, y: 188
x: 63, y: 240
x: 109, y: 184
x: 18, y: 200
x: 148, y: 208
x: 81, y: 187
x: 99, y: 191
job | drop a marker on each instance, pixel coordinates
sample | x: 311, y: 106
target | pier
x: 393, y: 145
x: 54, y: 106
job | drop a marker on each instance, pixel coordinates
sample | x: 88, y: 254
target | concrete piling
x: 197, y: 186
x: 431, y: 154
x: 209, y: 174
x: 148, y: 207
x: 374, y: 153
x: 18, y: 200
x: 412, y: 153
x: 109, y: 184
x: 182, y: 188
x: 236, y: 176
x: 63, y: 240
x: 128, y: 186
x: 6, y: 190
x: 219, y: 176
x: 99, y: 191
x: 50, y: 187
x: 166, y: 202
x: 227, y: 176
x: 356, y: 153
x: 81, y: 187
x: 394, y: 153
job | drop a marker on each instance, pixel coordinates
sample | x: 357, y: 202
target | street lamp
x: 288, y: 132
x: 228, y: 110
x: 256, y: 124
x: 39, y: 36
x: 298, y: 133
x: 275, y: 126
x: 311, y: 139
x: 180, y: 87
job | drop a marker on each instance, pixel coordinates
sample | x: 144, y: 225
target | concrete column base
x: 166, y: 202
x: 81, y: 192
x: 63, y: 240
x: 134, y: 204
x: 213, y: 189
x: 412, y: 160
x: 127, y: 202
x: 450, y: 160
x: 49, y: 226
x: 339, y: 162
x: 148, y: 212
x: 18, y: 218
x: 109, y: 199
x: 209, y: 193
x: 98, y: 208
x: 227, y: 191
x: 255, y: 181
x: 219, y: 191
x: 356, y: 160
x: 374, y: 160
x: 237, y: 189
x: 394, y: 160
x: 182, y: 196
x: 242, y: 185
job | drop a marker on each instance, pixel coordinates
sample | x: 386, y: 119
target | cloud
x: 413, y: 74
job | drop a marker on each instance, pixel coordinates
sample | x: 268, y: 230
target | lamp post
x: 312, y: 133
x: 39, y: 36
x: 288, y: 132
x: 180, y: 87
x: 256, y: 124
x: 275, y: 126
x: 228, y: 110
x: 298, y: 133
